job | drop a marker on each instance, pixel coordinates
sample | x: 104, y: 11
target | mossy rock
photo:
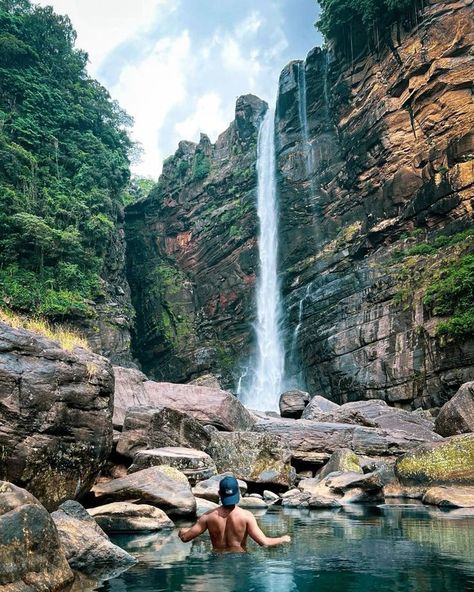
x: 442, y: 463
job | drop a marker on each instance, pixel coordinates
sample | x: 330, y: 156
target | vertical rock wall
x: 391, y: 168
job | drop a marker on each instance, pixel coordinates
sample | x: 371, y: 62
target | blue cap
x: 229, y: 491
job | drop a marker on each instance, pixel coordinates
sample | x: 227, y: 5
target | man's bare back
x: 229, y: 527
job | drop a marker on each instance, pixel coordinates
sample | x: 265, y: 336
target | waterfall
x: 261, y: 383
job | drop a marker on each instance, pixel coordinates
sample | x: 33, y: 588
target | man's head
x: 229, y: 491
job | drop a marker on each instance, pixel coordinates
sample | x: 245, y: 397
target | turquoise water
x: 358, y: 549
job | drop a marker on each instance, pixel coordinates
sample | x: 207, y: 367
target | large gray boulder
x: 148, y: 427
x: 308, y: 438
x: 293, y: 402
x: 210, y: 406
x: 457, y: 415
x: 87, y: 547
x: 318, y: 405
x: 127, y: 517
x: 343, y: 460
x: 163, y: 487
x: 31, y: 556
x: 251, y: 456
x: 195, y: 464
x: 55, y: 416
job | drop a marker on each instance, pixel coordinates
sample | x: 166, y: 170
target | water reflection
x: 394, y: 547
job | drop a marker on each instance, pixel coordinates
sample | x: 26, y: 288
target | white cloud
x: 102, y: 25
x: 208, y: 116
x: 149, y: 90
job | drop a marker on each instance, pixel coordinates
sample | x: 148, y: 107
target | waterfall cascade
x: 262, y: 382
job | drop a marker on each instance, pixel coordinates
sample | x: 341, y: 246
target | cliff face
x: 192, y: 255
x: 371, y: 187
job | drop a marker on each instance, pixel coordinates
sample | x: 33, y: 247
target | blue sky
x: 177, y: 66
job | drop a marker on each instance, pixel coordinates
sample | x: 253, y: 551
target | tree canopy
x: 64, y: 163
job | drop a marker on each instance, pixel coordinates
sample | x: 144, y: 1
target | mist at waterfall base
x: 262, y: 381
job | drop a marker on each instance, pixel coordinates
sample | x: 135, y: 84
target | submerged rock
x: 251, y: 456
x: 195, y: 464
x: 87, y: 547
x: 292, y: 403
x: 151, y: 427
x: 55, y: 417
x: 448, y: 462
x: 457, y: 415
x: 164, y: 487
x: 127, y: 517
x: 31, y: 555
x: 451, y: 497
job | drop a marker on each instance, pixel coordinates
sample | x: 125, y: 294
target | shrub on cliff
x: 64, y: 162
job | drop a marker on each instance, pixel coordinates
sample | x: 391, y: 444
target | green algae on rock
x: 448, y: 462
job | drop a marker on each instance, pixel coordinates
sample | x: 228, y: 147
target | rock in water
x: 148, y: 427
x: 127, y: 517
x: 292, y: 403
x: 88, y: 549
x: 448, y: 462
x: 457, y: 415
x: 55, y: 416
x: 195, y: 464
x: 163, y: 486
x: 31, y: 556
x: 251, y: 456
x: 451, y: 497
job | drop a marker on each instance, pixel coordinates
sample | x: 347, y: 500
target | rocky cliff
x: 376, y: 187
x: 375, y: 177
x: 192, y: 254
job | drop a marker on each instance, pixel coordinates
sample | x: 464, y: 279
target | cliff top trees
x: 64, y: 161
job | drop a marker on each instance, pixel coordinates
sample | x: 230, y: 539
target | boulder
x: 207, y: 380
x: 250, y: 503
x: 308, y: 438
x: 163, y: 487
x: 195, y: 464
x: 127, y: 517
x: 55, y: 416
x: 292, y: 403
x: 150, y: 427
x: 343, y: 488
x: 317, y: 406
x: 343, y: 460
x: 209, y: 488
x: 449, y: 462
x: 129, y: 392
x: 457, y: 415
x: 87, y: 547
x: 208, y: 405
x: 256, y: 457
x: 30, y: 550
x: 451, y: 497
x: 204, y: 505
x: 297, y: 499
x: 270, y: 496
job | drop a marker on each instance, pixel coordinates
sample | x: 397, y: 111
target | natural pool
x: 393, y: 548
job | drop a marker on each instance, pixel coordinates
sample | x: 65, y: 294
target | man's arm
x: 255, y: 532
x: 188, y: 534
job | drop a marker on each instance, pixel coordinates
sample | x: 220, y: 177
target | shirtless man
x: 229, y: 525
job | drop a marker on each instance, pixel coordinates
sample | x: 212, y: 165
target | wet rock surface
x: 55, y: 416
x: 30, y: 550
x: 127, y: 517
x: 87, y: 547
x: 163, y: 487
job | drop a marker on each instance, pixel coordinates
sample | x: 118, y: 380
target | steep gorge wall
x: 391, y: 165
x: 192, y: 255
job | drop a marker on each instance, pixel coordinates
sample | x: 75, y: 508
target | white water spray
x: 262, y: 382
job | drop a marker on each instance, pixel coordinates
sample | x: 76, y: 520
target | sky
x: 178, y: 66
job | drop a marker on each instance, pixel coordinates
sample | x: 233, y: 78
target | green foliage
x: 201, y: 166
x: 357, y: 24
x: 453, y: 295
x: 64, y: 164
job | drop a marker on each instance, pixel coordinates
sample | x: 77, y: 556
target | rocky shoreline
x: 171, y: 445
